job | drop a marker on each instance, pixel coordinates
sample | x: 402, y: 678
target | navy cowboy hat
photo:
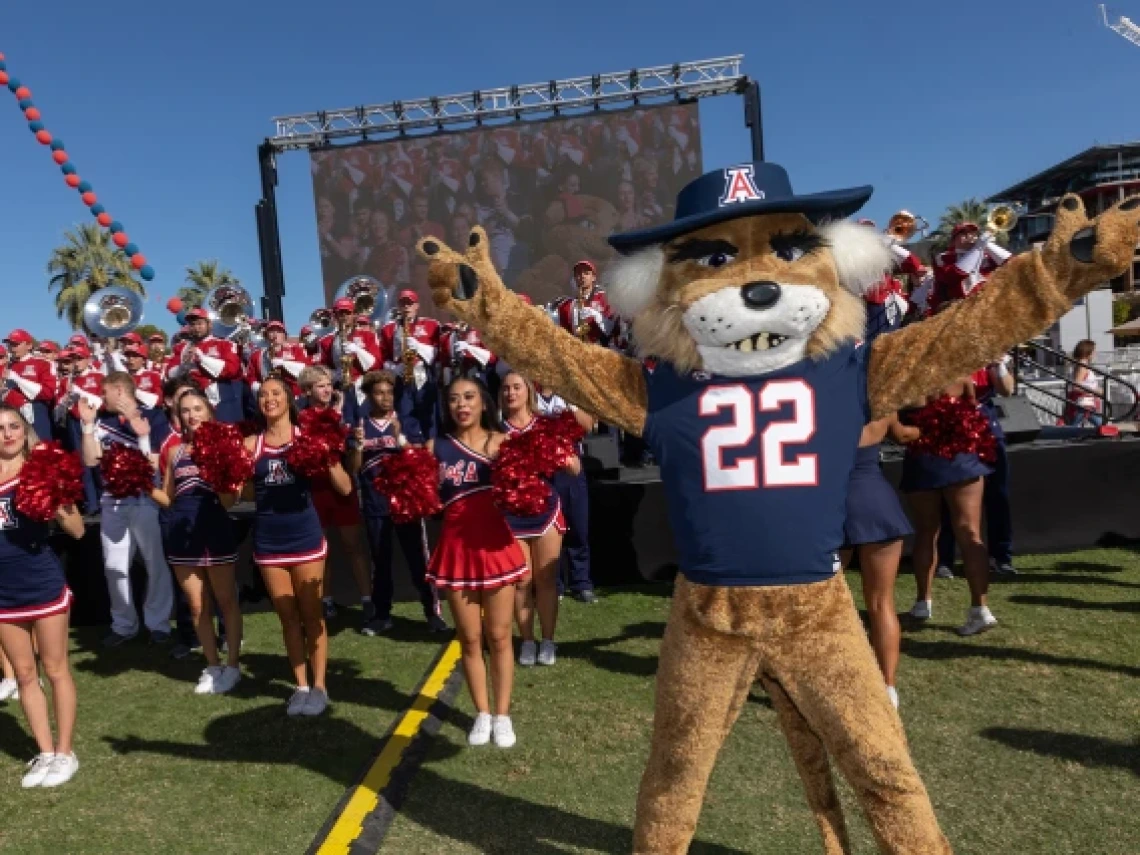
x: 742, y: 191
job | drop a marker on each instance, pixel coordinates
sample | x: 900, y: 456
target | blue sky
x: 162, y: 105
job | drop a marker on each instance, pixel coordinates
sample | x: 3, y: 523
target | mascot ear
x: 631, y: 281
x: 861, y: 255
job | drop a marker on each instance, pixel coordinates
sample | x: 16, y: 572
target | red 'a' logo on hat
x: 740, y: 186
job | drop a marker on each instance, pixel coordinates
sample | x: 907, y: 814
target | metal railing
x: 1025, y: 357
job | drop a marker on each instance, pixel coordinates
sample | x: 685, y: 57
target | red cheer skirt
x: 476, y: 550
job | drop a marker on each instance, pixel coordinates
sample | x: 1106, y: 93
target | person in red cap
x: 411, y: 358
x: 588, y: 314
x: 282, y: 358
x: 156, y: 352
x: 958, y: 272
x: 363, y: 322
x: 29, y: 382
x: 78, y: 380
x: 47, y: 349
x: 462, y: 353
x: 213, y: 364
x: 886, y: 303
x: 360, y: 347
x: 148, y: 382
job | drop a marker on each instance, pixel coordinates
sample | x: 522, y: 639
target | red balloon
x: 72, y: 180
x: 121, y: 239
x: 138, y: 261
x: 104, y: 219
x: 174, y: 305
x: 3, y: 78
x: 59, y: 157
x: 89, y: 198
x: 23, y: 92
x: 32, y: 114
x: 44, y: 137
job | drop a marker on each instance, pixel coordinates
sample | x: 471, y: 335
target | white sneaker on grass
x: 922, y: 610
x: 943, y: 572
x: 9, y: 690
x: 63, y: 769
x: 227, y: 679
x: 38, y: 769
x: 318, y: 702
x: 502, y: 731
x: 209, y: 679
x: 297, y: 701
x: 481, y: 730
x: 546, y: 652
x: 893, y: 694
x: 527, y: 653
x: 978, y: 619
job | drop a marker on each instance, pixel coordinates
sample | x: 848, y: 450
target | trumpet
x: 903, y: 225
x: 1001, y: 219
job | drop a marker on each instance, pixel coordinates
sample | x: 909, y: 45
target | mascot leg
x: 810, y: 757
x: 703, y: 678
x: 821, y: 658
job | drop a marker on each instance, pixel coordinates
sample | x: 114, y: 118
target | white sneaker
x: 38, y: 769
x: 978, y: 619
x: 9, y: 690
x: 226, y: 680
x: 546, y: 652
x: 503, y: 732
x: 943, y: 572
x: 922, y: 610
x: 893, y: 694
x: 63, y: 769
x: 208, y: 680
x: 297, y: 701
x: 480, y: 731
x: 527, y: 653
x: 318, y: 702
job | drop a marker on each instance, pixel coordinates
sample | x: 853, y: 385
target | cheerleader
x: 539, y: 536
x: 876, y: 525
x: 928, y: 479
x: 288, y: 544
x: 200, y: 544
x: 35, y: 603
x: 339, y: 514
x: 477, y: 562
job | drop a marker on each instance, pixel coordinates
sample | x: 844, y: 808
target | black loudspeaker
x: 601, y: 453
x: 1018, y: 418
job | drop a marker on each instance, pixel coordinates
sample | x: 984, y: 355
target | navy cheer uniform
x: 574, y: 496
x: 286, y: 528
x: 380, y: 441
x: 551, y: 516
x: 32, y: 584
x: 198, y: 530
x: 874, y: 513
x: 476, y: 549
x: 756, y: 469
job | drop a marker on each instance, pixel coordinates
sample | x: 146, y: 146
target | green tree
x: 86, y: 262
x: 970, y: 211
x: 202, y: 278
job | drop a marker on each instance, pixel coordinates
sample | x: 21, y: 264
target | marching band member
x: 156, y: 353
x: 148, y: 382
x: 887, y: 305
x: 960, y: 270
x: 588, y: 314
x: 281, y: 358
x: 409, y: 347
x: 308, y: 340
x: 212, y: 363
x: 78, y: 381
x: 79, y: 341
x: 29, y: 382
x: 358, y: 348
x: 376, y: 436
x: 47, y: 349
x: 35, y: 603
x: 131, y: 523
x: 463, y: 354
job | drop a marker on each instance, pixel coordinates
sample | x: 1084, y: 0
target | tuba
x: 369, y: 297
x: 321, y: 323
x: 112, y: 312
x: 904, y: 225
x: 229, y: 309
x: 1001, y: 219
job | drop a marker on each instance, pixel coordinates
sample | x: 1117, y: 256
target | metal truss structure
x: 681, y: 81
x: 1123, y: 27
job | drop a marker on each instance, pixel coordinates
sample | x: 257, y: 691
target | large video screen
x: 548, y: 193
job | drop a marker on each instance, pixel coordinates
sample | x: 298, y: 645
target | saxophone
x: 409, y: 354
x: 345, y: 357
x: 582, y: 330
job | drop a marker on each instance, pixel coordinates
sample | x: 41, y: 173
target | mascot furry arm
x: 1022, y: 298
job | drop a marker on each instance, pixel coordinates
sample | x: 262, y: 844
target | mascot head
x: 749, y: 277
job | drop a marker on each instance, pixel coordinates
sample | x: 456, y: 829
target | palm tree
x: 86, y: 262
x: 970, y: 211
x: 202, y: 278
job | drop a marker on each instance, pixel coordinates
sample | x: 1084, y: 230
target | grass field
x: 1027, y: 738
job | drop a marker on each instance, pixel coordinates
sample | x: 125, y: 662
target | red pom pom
x: 43, y: 137
x: 516, y: 483
x: 104, y: 219
x: 310, y: 459
x: 89, y: 198
x: 32, y: 114
x: 72, y: 180
x: 174, y: 305
x: 138, y: 261
x: 59, y: 157
x: 410, y: 480
x: 324, y: 429
x: 22, y: 93
x: 121, y: 239
x: 126, y: 472
x: 222, y: 459
x: 49, y: 479
x: 952, y: 426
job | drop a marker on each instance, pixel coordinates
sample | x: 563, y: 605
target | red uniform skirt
x: 335, y: 510
x: 476, y: 549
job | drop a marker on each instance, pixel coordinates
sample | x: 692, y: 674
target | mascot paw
x: 1083, y: 253
x: 463, y: 283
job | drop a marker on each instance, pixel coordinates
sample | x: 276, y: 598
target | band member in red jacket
x: 78, y: 380
x: 282, y: 358
x: 588, y: 314
x: 462, y: 353
x: 964, y: 267
x: 412, y: 358
x: 156, y: 352
x: 212, y: 363
x: 360, y: 348
x: 148, y: 382
x: 29, y: 382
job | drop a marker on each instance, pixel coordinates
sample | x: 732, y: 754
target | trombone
x: 904, y: 225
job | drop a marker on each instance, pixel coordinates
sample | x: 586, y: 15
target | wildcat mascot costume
x: 754, y: 387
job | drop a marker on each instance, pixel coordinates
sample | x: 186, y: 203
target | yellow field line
x: 366, y: 796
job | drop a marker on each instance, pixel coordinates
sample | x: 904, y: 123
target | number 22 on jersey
x: 777, y: 466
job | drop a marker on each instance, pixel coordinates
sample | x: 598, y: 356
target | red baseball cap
x: 306, y: 330
x: 197, y: 313
x: 18, y: 336
x: 409, y: 295
x: 49, y: 346
x: 344, y: 305
x: 585, y: 262
x: 78, y: 338
x: 157, y: 338
x: 275, y: 325
x: 961, y: 228
x: 363, y: 321
x: 80, y: 351
x: 131, y: 338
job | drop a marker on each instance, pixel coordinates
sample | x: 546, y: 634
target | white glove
x: 460, y: 348
x: 351, y: 348
x: 276, y: 362
x: 593, y: 315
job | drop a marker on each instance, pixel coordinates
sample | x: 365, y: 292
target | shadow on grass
x: 594, y: 650
x: 1085, y: 567
x: 1127, y: 607
x: 1088, y: 751
x: 1060, y: 579
x: 14, y: 740
x: 938, y: 650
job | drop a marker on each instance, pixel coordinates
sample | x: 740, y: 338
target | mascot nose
x: 760, y: 295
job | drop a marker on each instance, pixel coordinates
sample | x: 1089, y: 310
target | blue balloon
x: 26, y: 103
x: 115, y: 227
x: 84, y: 187
x: 14, y: 83
x: 68, y: 168
x: 35, y: 127
x: 131, y: 249
x: 57, y: 144
x: 97, y: 209
x: 147, y: 273
x: 3, y: 65
x: 181, y: 316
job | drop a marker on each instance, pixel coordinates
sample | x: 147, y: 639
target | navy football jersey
x: 756, y: 468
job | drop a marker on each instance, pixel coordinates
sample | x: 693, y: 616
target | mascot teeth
x: 760, y: 341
